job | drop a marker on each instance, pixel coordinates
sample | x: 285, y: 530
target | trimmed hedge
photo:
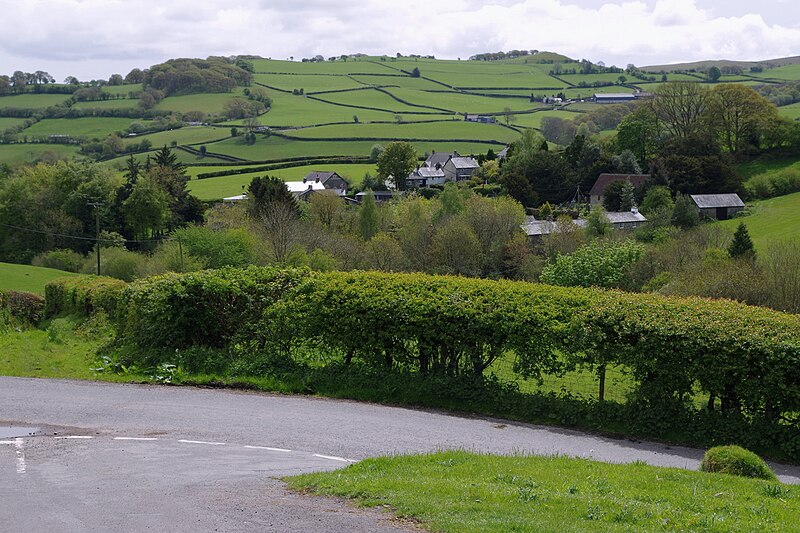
x: 21, y: 305
x: 674, y: 348
x: 82, y: 295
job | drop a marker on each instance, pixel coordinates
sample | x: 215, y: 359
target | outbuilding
x: 718, y: 206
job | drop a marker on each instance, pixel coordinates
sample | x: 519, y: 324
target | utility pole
x: 96, y: 206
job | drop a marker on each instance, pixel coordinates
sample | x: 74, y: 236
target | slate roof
x: 464, y: 162
x: 712, y: 201
x: 321, y: 176
x: 439, y: 158
x: 604, y: 180
x: 426, y: 172
x: 533, y: 227
x: 625, y: 217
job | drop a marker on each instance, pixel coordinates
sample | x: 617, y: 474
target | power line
x: 81, y: 238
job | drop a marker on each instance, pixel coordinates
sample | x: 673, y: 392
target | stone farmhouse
x: 441, y: 167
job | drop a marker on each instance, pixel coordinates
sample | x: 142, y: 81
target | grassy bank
x: 462, y: 492
x: 27, y: 278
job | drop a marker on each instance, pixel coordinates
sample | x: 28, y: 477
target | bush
x: 67, y: 260
x: 24, y: 306
x: 736, y: 461
x: 116, y: 263
x: 219, y: 248
x: 83, y: 295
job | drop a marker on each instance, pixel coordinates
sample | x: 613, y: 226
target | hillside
x: 27, y: 278
x: 319, y: 114
x: 771, y: 221
x: 720, y: 63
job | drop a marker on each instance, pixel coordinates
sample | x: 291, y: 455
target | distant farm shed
x: 718, y: 206
x: 604, y: 180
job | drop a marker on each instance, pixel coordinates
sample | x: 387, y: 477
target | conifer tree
x: 742, y: 245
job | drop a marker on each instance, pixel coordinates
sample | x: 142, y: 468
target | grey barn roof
x: 712, y: 201
x: 426, y: 172
x: 623, y: 217
x: 439, y: 158
x: 533, y: 227
x: 321, y: 176
x: 464, y: 162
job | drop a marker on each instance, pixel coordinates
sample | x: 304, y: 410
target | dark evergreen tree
x: 742, y: 245
x: 265, y: 191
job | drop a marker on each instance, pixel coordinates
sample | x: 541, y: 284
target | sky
x: 92, y: 39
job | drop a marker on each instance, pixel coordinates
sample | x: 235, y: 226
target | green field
x: 534, y: 120
x: 788, y: 72
x: 771, y: 221
x: 209, y: 103
x: 122, y: 89
x: 184, y: 135
x: 27, y: 278
x: 90, y: 127
x: 32, y: 101
x: 224, y: 186
x: 291, y: 110
x: 461, y: 103
x: 452, y: 129
x: 370, y: 98
x: 400, y: 80
x: 15, y: 154
x: 309, y: 83
x: 279, y: 148
x: 6, y: 123
x: 117, y: 103
x: 790, y: 111
x: 456, y: 491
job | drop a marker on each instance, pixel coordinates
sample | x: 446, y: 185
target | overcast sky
x: 96, y: 38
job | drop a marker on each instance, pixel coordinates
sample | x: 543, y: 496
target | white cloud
x: 93, y: 38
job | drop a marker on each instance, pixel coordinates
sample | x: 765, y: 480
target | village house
x: 425, y: 177
x: 460, y: 168
x: 380, y: 196
x: 626, y: 220
x: 622, y: 220
x: 604, y: 180
x: 482, y: 119
x: 718, y: 206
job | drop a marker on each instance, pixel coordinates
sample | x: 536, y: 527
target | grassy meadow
x: 32, y: 101
x: 28, y: 278
x: 89, y: 127
x: 771, y: 221
x: 16, y: 154
x: 457, y: 491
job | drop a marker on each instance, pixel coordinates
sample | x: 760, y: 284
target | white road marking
x: 7, y: 442
x: 331, y: 457
x: 20, y: 456
x: 202, y: 442
x: 75, y: 437
x: 267, y: 448
x: 135, y: 438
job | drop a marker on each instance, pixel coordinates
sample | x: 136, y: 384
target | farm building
x: 626, y: 220
x: 380, y: 196
x: 425, y: 177
x: 718, y: 206
x: 460, y: 168
x: 604, y: 180
x: 614, y: 98
x: 536, y: 229
x: 482, y: 119
x: 330, y: 180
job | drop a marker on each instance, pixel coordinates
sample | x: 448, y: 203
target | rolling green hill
x: 338, y: 108
x: 771, y: 221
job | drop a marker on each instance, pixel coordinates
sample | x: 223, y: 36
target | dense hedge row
x: 279, y: 166
x: 23, y: 306
x: 82, y: 295
x: 748, y: 357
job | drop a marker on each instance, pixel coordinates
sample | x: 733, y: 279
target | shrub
x: 67, y: 260
x: 219, y: 248
x: 25, y: 306
x: 736, y: 461
x: 116, y: 263
x: 83, y: 295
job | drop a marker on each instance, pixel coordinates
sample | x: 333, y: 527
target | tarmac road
x: 109, y: 457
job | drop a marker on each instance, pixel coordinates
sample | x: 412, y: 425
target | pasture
x: 90, y: 127
x: 32, y: 101
x: 28, y: 278
x: 790, y: 111
x: 453, y: 129
x: 114, y: 103
x: 308, y: 82
x: 184, y: 135
x: 771, y: 222
x: 209, y: 103
x: 15, y: 154
x: 6, y: 123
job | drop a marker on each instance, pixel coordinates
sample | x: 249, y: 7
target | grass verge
x: 462, y: 492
